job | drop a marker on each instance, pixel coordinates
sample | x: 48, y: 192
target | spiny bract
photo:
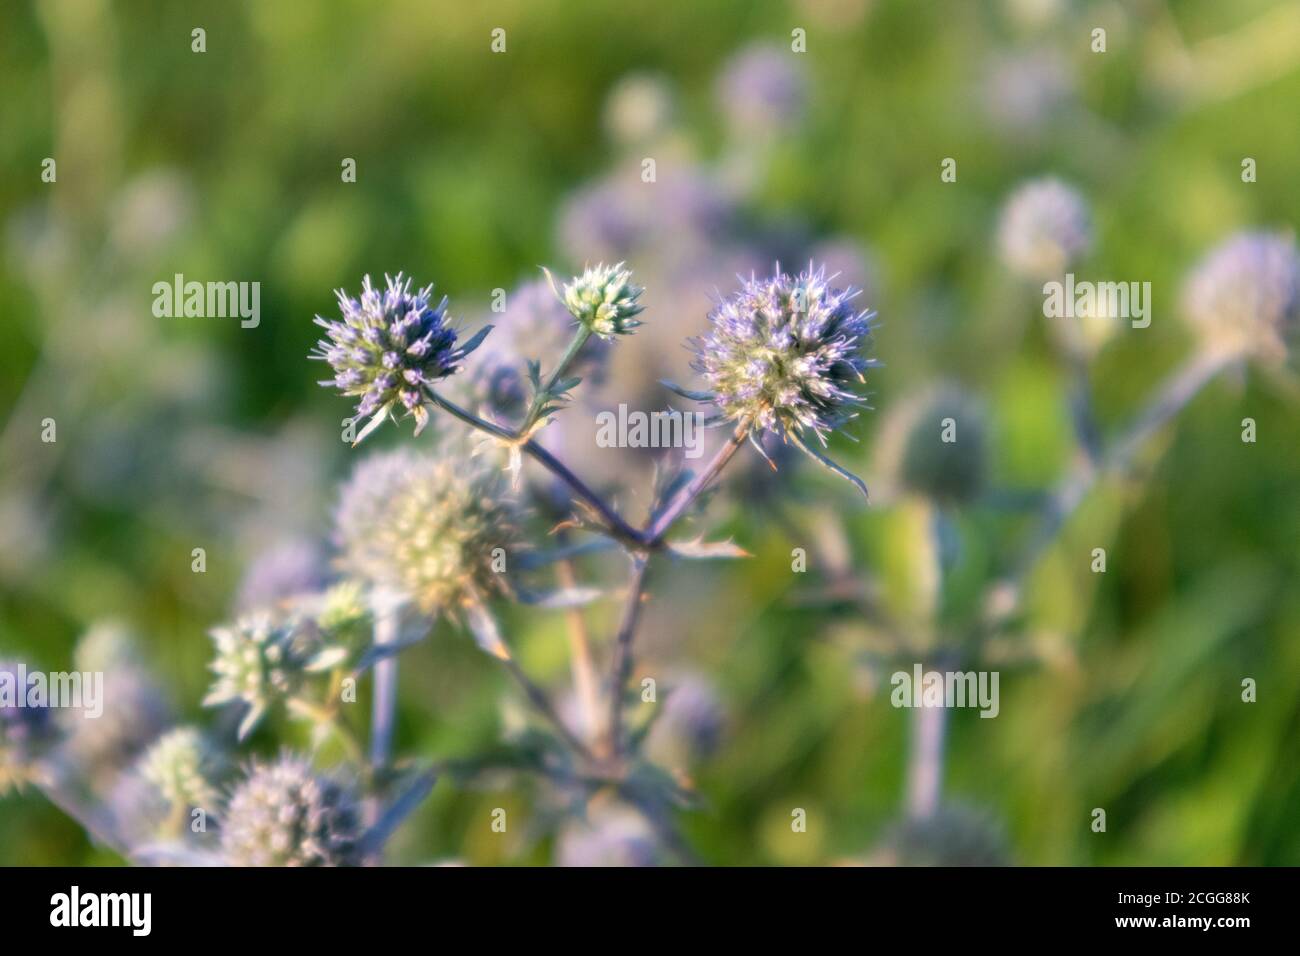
x: 426, y: 526
x: 784, y: 353
x: 284, y: 814
x: 389, y: 347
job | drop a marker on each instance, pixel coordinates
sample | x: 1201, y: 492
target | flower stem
x: 925, y: 762
x: 617, y: 527
x: 575, y: 346
x: 580, y: 662
x: 621, y: 666
x: 658, y: 527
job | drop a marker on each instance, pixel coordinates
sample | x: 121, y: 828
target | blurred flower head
x: 181, y: 767
x: 610, y: 835
x: 1244, y: 296
x: 783, y: 354
x: 426, y: 525
x: 285, y: 814
x: 692, y: 722
x: 762, y: 90
x: 135, y: 708
x: 954, y: 835
x: 934, y: 444
x: 23, y: 730
x: 604, y: 299
x: 288, y: 570
x: 389, y: 347
x: 1045, y: 227
x: 257, y: 661
x: 639, y: 109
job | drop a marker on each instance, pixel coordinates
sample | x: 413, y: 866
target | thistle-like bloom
x: 258, y: 662
x: 1245, y: 295
x: 603, y: 299
x: 783, y: 354
x: 180, y: 766
x: 284, y: 814
x: 934, y: 444
x: 434, y: 529
x: 389, y: 347
x: 1045, y: 227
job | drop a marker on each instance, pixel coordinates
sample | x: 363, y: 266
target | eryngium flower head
x: 762, y: 90
x: 258, y: 661
x: 1045, y: 226
x: 134, y: 705
x: 425, y: 526
x: 935, y: 445
x: 1245, y: 295
x: 611, y: 835
x: 784, y: 353
x: 22, y: 730
x: 603, y: 299
x: 284, y: 814
x: 389, y: 346
x: 180, y: 766
x: 953, y: 835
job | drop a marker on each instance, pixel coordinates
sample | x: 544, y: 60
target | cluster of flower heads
x: 389, y: 347
x: 784, y: 354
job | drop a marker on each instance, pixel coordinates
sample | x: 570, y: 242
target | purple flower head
x: 23, y: 729
x: 784, y: 356
x: 1245, y: 294
x: 784, y: 353
x: 390, y: 346
x: 762, y: 90
x: 1045, y: 227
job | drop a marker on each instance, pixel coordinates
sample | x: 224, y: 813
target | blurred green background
x: 183, y: 433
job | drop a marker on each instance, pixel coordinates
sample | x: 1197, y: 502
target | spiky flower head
x: 1045, y: 227
x: 935, y: 444
x: 258, y: 661
x: 134, y: 706
x: 284, y: 814
x: 390, y: 346
x: 954, y: 835
x: 1244, y: 296
x: 23, y: 729
x: 603, y: 299
x: 784, y: 353
x: 427, y: 526
x: 181, y: 766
